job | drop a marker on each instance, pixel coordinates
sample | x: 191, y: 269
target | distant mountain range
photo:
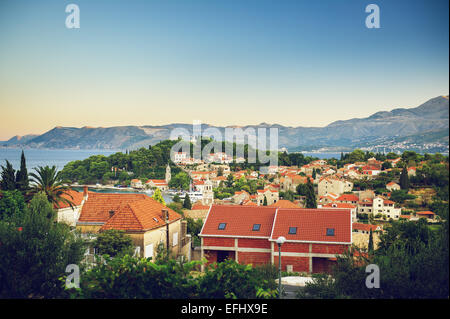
x: 424, y: 126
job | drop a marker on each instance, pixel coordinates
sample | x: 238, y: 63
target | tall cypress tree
x: 370, y: 245
x: 22, y: 182
x: 310, y: 196
x: 8, y: 181
x: 187, y: 202
x: 404, y: 179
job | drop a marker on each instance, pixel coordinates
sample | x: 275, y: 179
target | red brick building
x: 248, y: 235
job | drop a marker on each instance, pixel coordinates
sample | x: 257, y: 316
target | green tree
x: 48, y: 181
x: 413, y: 263
x: 230, y: 279
x: 126, y: 277
x: 265, y: 201
x: 8, y: 181
x: 12, y: 205
x: 370, y: 245
x: 187, y: 202
x: 114, y: 242
x: 158, y: 196
x: 404, y: 179
x: 35, y: 251
x: 386, y: 165
x: 180, y: 181
x: 193, y: 228
x: 176, y: 199
x: 310, y: 195
x: 22, y: 182
x: 229, y: 181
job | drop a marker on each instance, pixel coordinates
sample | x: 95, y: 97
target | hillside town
x: 241, y: 210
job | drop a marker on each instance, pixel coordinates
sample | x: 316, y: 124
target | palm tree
x: 48, y: 180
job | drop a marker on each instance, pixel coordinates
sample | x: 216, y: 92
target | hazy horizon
x: 174, y: 123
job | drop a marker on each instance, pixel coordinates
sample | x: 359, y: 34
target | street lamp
x: 280, y: 241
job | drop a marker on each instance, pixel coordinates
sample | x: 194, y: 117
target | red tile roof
x: 141, y: 215
x: 425, y: 213
x: 365, y: 227
x: 96, y: 209
x: 339, y: 205
x: 283, y: 203
x: 72, y: 195
x: 312, y: 225
x: 157, y: 181
x: 348, y: 198
x: 248, y: 203
x: 199, y: 206
x: 239, y: 220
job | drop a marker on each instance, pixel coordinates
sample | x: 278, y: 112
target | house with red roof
x: 69, y: 214
x: 365, y: 228
x: 392, y: 186
x: 314, y: 237
x: 284, y: 203
x: 425, y: 214
x: 271, y: 195
x: 240, y: 196
x: 292, y: 180
x: 161, y: 184
x: 348, y: 199
x: 136, y: 183
x: 333, y: 184
x: 148, y: 222
x: 379, y: 206
x: 337, y: 205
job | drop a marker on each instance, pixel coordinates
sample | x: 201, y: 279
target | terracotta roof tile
x: 141, y: 215
x: 97, y: 207
x: 312, y: 224
x: 348, y: 198
x: 72, y: 195
x: 239, y: 220
x: 283, y: 203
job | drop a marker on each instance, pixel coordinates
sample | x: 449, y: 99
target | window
x: 222, y: 226
x: 148, y: 251
x: 330, y: 231
x: 175, y: 239
x: 292, y: 230
x: 137, y: 251
x: 256, y: 227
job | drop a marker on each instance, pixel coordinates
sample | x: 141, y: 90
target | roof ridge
x: 133, y: 212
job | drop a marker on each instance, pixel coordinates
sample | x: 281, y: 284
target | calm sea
x: 38, y: 157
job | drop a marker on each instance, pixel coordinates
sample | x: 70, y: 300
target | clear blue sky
x: 299, y: 63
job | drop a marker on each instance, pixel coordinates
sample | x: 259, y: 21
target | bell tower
x: 168, y: 174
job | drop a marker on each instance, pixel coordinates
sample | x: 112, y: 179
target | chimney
x: 111, y: 213
x: 85, y: 192
x: 165, y: 214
